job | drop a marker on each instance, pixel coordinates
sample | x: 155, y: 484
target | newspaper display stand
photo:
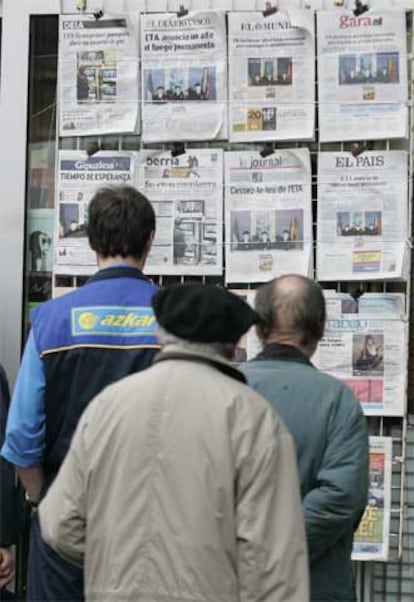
x: 204, y: 233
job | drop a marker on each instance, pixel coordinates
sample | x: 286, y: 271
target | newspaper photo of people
x: 368, y: 354
x: 179, y: 85
x: 270, y: 72
x: 378, y: 68
x: 97, y: 76
x: 359, y: 223
x: 40, y: 240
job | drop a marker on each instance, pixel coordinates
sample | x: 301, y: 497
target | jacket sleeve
x: 272, y: 556
x: 336, y: 504
x: 11, y: 507
x: 62, y: 513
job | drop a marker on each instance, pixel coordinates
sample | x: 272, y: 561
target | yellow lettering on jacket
x: 107, y: 320
x: 127, y: 320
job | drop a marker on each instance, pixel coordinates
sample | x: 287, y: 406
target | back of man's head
x: 292, y: 311
x: 121, y: 223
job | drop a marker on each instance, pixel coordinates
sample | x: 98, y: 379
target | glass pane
x: 41, y: 160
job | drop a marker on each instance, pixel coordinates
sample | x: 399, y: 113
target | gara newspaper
x: 362, y: 74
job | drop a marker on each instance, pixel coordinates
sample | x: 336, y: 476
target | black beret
x: 202, y: 313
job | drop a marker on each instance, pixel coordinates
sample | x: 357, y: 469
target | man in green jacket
x: 327, y: 425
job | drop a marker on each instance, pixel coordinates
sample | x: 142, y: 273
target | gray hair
x: 225, y: 350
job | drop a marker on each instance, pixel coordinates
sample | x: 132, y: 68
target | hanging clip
x: 182, y: 12
x: 357, y: 148
x: 269, y: 9
x: 81, y: 5
x: 360, y: 8
x: 178, y: 149
x: 98, y: 15
x: 356, y: 294
x: 267, y: 150
x: 92, y: 149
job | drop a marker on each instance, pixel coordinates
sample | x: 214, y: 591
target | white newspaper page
x: 268, y: 215
x: 79, y: 177
x: 368, y: 352
x: 271, y: 76
x: 381, y: 305
x: 187, y: 195
x: 184, y: 77
x: 362, y: 73
x: 362, y: 215
x: 98, y: 75
x: 371, y: 540
x: 249, y: 345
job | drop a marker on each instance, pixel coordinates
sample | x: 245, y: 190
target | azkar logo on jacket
x: 109, y: 320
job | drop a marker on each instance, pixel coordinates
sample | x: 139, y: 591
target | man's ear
x: 261, y: 331
x: 149, y: 243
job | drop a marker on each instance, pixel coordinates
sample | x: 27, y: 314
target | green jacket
x: 330, y: 433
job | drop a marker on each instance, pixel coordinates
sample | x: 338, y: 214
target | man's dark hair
x: 121, y: 221
x: 292, y: 306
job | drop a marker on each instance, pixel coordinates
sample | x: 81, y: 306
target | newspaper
x: 271, y: 76
x: 268, y: 215
x: 184, y: 77
x: 371, y: 540
x: 98, y: 75
x: 79, y: 177
x: 187, y: 195
x: 362, y: 215
x: 365, y: 345
x: 362, y: 73
x: 249, y: 345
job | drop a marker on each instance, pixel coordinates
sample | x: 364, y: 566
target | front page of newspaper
x: 268, y: 215
x: 365, y: 345
x: 79, y: 177
x: 371, y: 540
x: 98, y: 75
x: 184, y: 77
x: 271, y: 76
x: 362, y: 74
x: 362, y: 215
x: 187, y: 195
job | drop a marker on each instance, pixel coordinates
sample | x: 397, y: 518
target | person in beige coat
x: 181, y: 482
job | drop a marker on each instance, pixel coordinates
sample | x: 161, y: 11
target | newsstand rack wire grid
x: 382, y: 426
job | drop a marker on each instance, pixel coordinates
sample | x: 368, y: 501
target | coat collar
x: 119, y: 271
x: 174, y: 352
x: 286, y: 353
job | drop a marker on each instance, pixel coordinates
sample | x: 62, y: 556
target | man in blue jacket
x: 80, y: 343
x: 326, y: 422
x: 10, y: 502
